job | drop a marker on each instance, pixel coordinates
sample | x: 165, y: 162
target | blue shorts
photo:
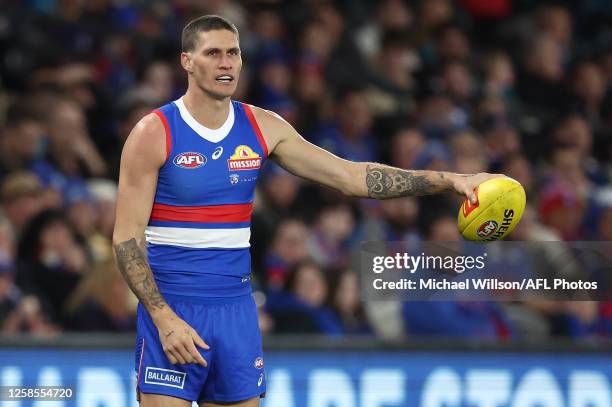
x: 235, y: 358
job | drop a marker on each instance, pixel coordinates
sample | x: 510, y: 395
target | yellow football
x: 498, y: 209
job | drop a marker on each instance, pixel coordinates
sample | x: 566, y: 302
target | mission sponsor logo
x: 487, y: 228
x: 244, y: 158
x: 189, y: 160
x: 165, y: 377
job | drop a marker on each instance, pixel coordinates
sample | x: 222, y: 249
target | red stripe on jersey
x: 162, y: 117
x: 251, y: 117
x: 213, y: 213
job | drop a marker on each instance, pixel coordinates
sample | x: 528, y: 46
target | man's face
x: 215, y: 62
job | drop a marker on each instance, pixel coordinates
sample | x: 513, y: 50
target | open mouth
x: 224, y: 78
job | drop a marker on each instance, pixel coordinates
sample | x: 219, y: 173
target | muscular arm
x: 137, y: 273
x: 368, y: 180
x: 142, y: 156
x: 385, y: 182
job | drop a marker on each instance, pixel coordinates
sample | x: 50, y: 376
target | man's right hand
x: 179, y: 340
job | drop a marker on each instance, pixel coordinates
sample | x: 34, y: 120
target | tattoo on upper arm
x: 137, y: 273
x: 385, y: 182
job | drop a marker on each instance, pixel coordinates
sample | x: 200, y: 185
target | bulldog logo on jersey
x: 189, y: 160
x: 244, y: 158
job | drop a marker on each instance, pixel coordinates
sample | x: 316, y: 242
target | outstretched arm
x: 359, y: 179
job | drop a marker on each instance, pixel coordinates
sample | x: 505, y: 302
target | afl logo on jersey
x: 189, y: 160
x: 244, y: 158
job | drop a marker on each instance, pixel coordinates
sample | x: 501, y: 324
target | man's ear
x: 186, y: 62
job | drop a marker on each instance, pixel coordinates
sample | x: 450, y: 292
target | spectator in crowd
x: 302, y: 306
x: 52, y: 258
x: 347, y: 304
x: 288, y: 248
x: 472, y: 319
x: 101, y: 302
x: 21, y: 199
x: 349, y: 136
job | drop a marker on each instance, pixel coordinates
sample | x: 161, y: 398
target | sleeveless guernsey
x: 199, y: 229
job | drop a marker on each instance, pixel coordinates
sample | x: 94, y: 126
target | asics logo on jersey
x: 244, y: 158
x: 189, y: 160
x: 217, y: 153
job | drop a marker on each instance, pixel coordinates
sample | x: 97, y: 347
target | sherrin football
x: 498, y: 209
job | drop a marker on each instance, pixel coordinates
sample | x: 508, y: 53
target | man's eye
x: 212, y: 52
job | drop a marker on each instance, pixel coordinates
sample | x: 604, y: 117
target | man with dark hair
x: 187, y: 182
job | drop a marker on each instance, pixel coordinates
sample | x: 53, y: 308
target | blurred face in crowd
x: 282, y: 190
x: 435, y: 12
x: 575, y: 131
x: 394, y: 14
x: 354, y: 115
x: 444, y: 229
x: 309, y: 83
x: 605, y: 225
x: 290, y: 241
x: 500, y: 71
x: 590, y: 83
x: 20, y: 209
x: 310, y: 285
x: 214, y: 64
x: 545, y: 59
x: 347, y: 294
x: 567, y: 162
x: 518, y: 167
x: 400, y: 213
x: 469, y: 157
x: 67, y: 124
x: 336, y: 222
x: 406, y: 144
x: 453, y: 44
x: 457, y: 80
x: 557, y: 22
x: 158, y: 78
x: 22, y: 141
x: 502, y: 141
x: 84, y: 216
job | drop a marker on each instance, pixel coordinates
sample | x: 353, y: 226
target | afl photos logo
x: 244, y: 158
x: 189, y: 160
x: 487, y: 228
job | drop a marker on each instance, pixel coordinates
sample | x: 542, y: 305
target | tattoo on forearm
x: 386, y: 182
x: 137, y: 273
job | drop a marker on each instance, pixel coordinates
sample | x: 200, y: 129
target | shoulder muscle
x: 146, y: 144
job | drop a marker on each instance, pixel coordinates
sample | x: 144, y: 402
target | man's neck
x: 209, y: 112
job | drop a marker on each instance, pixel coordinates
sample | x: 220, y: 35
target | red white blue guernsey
x: 199, y: 229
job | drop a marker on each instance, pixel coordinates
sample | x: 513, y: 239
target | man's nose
x: 226, y: 62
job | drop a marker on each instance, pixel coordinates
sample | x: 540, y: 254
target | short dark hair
x: 203, y: 24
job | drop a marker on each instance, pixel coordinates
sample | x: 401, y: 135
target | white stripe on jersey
x: 237, y: 238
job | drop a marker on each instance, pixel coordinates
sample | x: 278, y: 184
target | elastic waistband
x: 207, y: 300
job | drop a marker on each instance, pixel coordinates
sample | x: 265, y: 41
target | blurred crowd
x: 521, y: 87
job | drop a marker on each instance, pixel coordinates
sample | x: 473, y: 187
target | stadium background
x: 514, y: 86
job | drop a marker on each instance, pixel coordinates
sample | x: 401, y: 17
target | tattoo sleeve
x: 138, y: 274
x: 387, y: 182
